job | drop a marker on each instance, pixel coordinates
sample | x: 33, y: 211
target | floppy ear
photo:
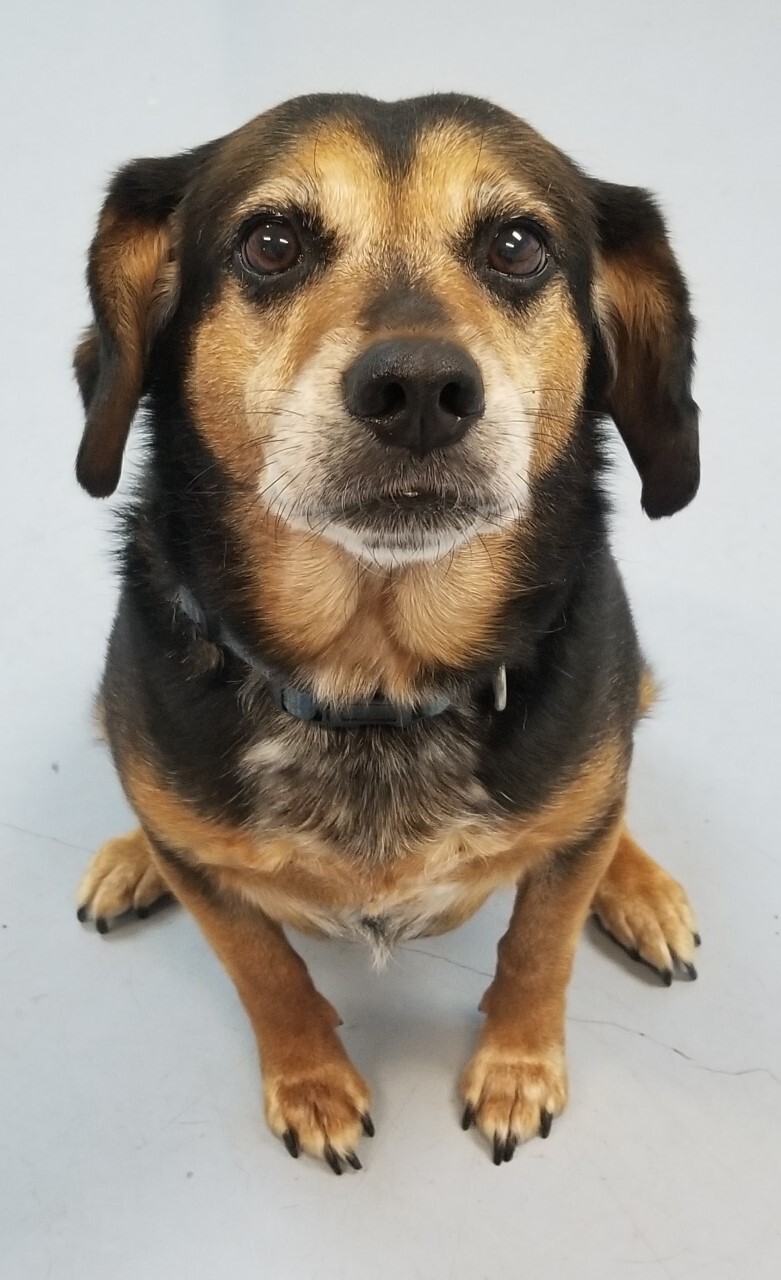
x: 133, y: 286
x: 646, y: 329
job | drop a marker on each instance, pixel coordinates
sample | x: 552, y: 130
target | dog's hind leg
x: 121, y: 878
x: 642, y: 908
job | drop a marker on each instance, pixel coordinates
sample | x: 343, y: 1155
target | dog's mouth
x: 388, y: 504
x: 390, y: 512
x: 398, y: 523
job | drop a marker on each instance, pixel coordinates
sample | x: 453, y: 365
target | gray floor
x: 132, y: 1142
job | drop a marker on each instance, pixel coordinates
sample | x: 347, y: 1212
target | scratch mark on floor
x: 700, y: 1066
x: 603, y: 1022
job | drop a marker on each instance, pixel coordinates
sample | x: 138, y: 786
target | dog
x: 373, y: 658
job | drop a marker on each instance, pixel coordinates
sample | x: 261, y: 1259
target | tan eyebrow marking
x: 342, y: 179
x: 456, y: 175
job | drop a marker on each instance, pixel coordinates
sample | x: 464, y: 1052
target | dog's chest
x: 379, y: 836
x: 371, y: 794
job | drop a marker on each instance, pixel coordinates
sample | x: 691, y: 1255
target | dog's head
x: 388, y: 320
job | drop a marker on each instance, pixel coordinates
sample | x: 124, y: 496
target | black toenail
x: 290, y: 1139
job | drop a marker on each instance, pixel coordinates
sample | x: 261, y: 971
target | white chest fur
x: 393, y: 919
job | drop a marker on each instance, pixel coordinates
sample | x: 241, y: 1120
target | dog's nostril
x: 452, y: 399
x: 461, y: 398
x: 392, y: 399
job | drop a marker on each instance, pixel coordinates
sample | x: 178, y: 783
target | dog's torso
x: 377, y: 832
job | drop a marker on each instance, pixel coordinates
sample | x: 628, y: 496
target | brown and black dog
x: 373, y: 658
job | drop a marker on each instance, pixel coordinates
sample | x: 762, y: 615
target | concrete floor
x: 132, y: 1142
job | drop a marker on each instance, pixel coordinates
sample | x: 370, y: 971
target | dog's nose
x: 417, y: 394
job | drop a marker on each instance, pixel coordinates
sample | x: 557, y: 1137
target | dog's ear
x: 133, y: 285
x: 645, y: 332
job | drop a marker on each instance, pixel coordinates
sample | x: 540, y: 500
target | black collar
x: 301, y: 704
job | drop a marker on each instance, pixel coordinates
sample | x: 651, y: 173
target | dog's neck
x: 342, y: 629
x: 351, y: 630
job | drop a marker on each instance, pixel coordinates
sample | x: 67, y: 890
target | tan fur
x: 639, y: 323
x: 135, y: 283
x: 354, y: 630
x: 636, y: 296
x: 517, y: 1075
x: 128, y: 258
x: 648, y: 692
x: 121, y: 877
x: 360, y: 630
x: 310, y: 1086
x: 644, y: 908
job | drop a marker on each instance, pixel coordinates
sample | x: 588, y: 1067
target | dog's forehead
x: 359, y: 162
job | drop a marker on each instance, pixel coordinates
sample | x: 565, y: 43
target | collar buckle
x: 500, y: 688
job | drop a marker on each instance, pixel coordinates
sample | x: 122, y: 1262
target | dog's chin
x: 390, y: 549
x: 391, y: 536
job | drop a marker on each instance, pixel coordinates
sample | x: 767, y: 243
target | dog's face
x: 389, y: 319
x: 395, y: 323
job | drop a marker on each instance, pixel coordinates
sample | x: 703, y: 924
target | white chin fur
x: 393, y: 555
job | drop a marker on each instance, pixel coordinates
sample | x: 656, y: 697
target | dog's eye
x: 518, y: 251
x: 270, y: 247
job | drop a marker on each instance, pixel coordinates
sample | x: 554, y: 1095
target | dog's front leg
x: 315, y: 1100
x: 516, y: 1081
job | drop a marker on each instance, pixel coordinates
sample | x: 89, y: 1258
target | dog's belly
x: 381, y: 921
x: 386, y: 925
x: 431, y: 890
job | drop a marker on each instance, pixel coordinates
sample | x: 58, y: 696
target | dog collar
x: 302, y: 705
x: 378, y: 712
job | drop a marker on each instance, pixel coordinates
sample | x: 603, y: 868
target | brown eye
x: 518, y: 251
x: 271, y: 247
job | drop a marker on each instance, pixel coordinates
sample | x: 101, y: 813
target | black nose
x: 415, y: 393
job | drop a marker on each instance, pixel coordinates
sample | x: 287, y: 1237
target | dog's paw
x: 648, y: 914
x: 512, y: 1095
x: 120, y: 878
x: 322, y: 1110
